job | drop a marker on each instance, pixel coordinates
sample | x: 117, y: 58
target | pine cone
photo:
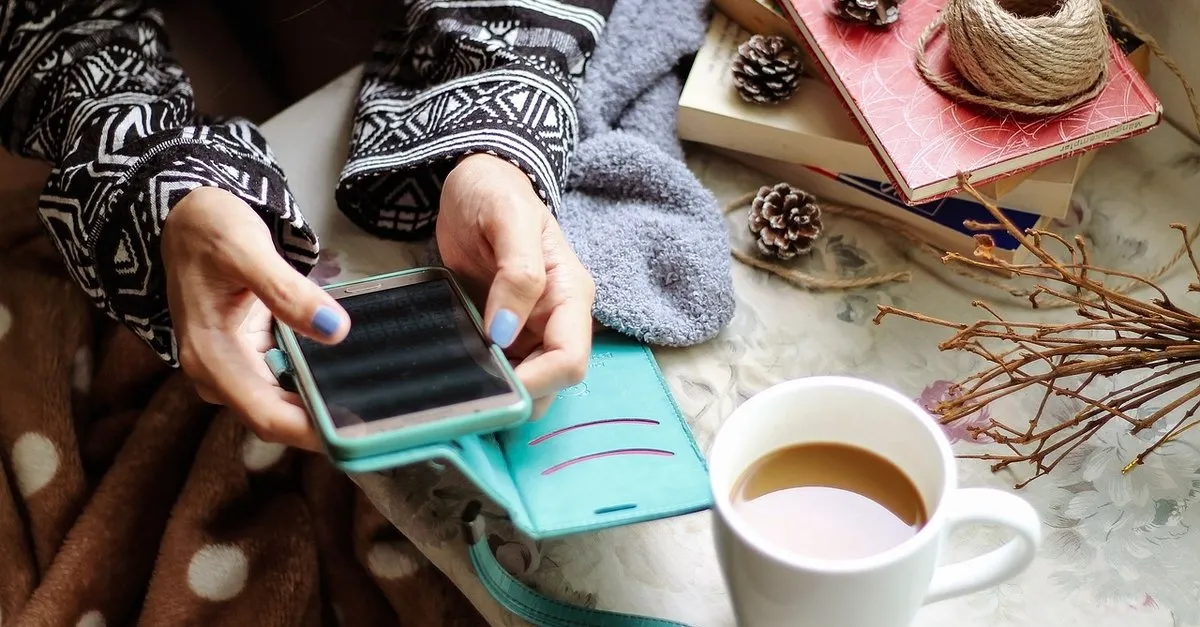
x: 766, y: 69
x: 786, y: 220
x: 873, y: 12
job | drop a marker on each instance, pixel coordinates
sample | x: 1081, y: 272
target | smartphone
x: 415, y: 369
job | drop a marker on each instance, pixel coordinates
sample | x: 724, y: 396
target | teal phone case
x: 611, y: 451
x: 342, y: 450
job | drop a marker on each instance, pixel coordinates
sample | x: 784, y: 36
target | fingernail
x: 504, y: 328
x: 326, y: 321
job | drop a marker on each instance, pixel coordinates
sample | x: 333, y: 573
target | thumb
x: 520, y: 276
x: 292, y: 298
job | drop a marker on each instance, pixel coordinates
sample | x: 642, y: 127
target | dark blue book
x: 951, y: 212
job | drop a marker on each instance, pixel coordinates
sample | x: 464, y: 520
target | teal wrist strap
x: 532, y: 606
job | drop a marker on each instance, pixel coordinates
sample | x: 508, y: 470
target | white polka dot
x: 81, y: 370
x: 92, y: 619
x: 388, y: 561
x: 35, y: 460
x: 5, y: 321
x: 218, y: 572
x: 259, y: 455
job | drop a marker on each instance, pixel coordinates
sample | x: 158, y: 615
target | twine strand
x: 1122, y: 288
x: 872, y: 219
x: 802, y: 279
x: 893, y: 227
x: 1152, y: 45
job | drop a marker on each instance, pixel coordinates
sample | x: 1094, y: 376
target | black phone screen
x: 410, y: 349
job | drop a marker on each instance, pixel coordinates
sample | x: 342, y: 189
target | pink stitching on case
x: 631, y: 421
x: 614, y: 453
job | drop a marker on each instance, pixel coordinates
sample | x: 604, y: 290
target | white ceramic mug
x: 771, y: 587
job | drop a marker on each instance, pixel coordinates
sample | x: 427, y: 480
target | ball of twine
x: 1036, y: 57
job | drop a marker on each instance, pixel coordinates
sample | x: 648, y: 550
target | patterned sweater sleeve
x: 90, y: 86
x: 460, y: 77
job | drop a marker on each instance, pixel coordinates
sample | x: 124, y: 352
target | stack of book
x: 864, y: 129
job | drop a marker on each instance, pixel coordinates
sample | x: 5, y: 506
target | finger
x: 520, y: 280
x: 292, y: 426
x: 541, y: 406
x: 257, y: 330
x: 291, y: 298
x: 273, y: 414
x: 566, y: 344
x: 527, y: 342
x: 207, y: 394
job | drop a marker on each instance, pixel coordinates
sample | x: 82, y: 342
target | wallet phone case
x: 612, y: 450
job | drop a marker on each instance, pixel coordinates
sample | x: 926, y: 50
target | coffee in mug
x: 829, y: 500
x: 833, y: 500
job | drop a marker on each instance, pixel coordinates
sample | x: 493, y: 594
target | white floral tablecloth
x: 1118, y: 549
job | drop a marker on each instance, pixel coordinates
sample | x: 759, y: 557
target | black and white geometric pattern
x: 90, y: 86
x: 458, y: 77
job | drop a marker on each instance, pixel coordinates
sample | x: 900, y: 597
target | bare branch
x: 1153, y: 339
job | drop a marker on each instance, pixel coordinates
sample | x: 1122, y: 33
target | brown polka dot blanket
x: 126, y: 500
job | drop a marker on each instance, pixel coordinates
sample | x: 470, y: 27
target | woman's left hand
x: 501, y: 240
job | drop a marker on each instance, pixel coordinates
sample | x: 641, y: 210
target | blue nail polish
x: 504, y: 328
x: 326, y: 321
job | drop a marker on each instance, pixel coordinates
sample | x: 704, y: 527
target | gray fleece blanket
x: 650, y: 233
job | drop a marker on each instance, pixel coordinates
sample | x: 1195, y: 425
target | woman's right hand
x: 225, y: 284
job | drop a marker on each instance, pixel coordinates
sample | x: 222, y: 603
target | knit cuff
x: 126, y: 248
x: 404, y: 144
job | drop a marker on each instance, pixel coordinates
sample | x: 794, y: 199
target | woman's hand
x: 224, y: 282
x: 501, y: 240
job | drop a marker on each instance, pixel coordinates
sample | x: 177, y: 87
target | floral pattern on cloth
x: 941, y: 391
x: 1125, y: 535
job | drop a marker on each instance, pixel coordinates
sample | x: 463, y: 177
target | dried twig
x: 1153, y: 339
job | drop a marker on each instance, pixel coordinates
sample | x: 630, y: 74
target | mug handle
x: 988, y: 507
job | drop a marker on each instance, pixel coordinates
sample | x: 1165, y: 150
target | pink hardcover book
x: 923, y: 139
